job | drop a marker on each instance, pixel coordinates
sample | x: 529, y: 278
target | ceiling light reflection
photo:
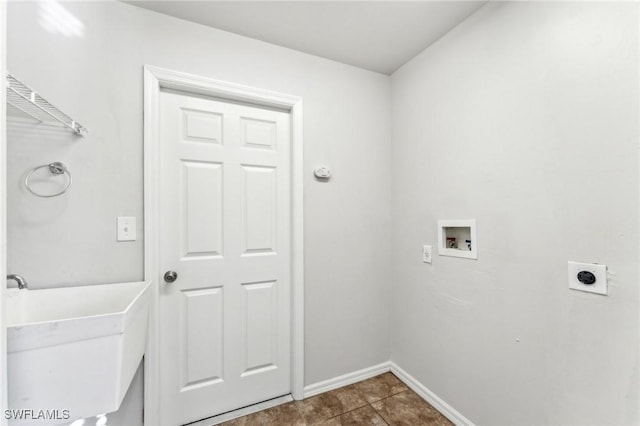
x: 56, y: 19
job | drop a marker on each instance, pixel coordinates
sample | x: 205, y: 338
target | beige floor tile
x: 408, y: 409
x: 335, y: 421
x: 380, y: 401
x: 380, y: 387
x: 350, y: 398
x: 365, y: 416
x: 286, y: 414
x: 320, y: 408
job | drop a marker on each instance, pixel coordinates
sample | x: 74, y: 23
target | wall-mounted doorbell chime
x: 322, y: 172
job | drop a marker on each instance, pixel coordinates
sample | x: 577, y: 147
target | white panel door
x: 225, y: 230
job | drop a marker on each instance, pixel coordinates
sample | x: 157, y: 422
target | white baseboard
x: 346, y: 379
x: 357, y: 376
x: 433, y: 399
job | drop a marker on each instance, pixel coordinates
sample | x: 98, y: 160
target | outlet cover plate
x: 600, y: 271
x: 426, y: 254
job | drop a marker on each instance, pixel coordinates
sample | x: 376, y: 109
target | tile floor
x: 379, y: 401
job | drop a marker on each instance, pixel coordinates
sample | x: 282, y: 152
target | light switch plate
x: 600, y: 272
x: 426, y: 254
x: 126, y: 228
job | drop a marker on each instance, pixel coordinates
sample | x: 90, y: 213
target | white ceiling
x: 375, y: 35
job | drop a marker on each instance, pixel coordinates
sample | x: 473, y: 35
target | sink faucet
x: 22, y: 283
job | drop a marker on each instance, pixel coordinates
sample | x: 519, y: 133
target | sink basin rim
x: 31, y: 335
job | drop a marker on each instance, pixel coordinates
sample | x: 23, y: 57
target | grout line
x: 358, y: 408
x: 379, y: 414
x: 398, y: 393
x: 367, y: 402
x: 389, y: 396
x: 370, y: 404
x: 346, y: 412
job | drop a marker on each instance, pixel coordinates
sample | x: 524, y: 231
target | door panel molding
x: 197, y: 352
x: 156, y: 79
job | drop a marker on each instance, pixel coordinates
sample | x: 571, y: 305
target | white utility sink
x: 75, y: 348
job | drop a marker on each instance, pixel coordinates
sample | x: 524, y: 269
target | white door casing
x: 3, y: 210
x: 201, y: 249
x: 225, y: 230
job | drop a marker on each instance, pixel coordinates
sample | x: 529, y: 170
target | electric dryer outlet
x: 589, y: 277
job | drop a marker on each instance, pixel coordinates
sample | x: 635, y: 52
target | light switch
x: 426, y: 254
x: 126, y: 228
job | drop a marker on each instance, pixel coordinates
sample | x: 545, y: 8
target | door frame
x: 155, y: 79
x: 3, y: 210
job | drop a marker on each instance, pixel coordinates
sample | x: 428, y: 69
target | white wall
x: 92, y: 68
x: 525, y: 118
x: 517, y: 118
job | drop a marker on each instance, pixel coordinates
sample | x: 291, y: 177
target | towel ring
x: 56, y: 168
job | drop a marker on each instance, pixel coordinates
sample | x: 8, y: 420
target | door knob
x: 170, y: 276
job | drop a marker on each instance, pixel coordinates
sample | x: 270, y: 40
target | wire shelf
x: 25, y: 99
